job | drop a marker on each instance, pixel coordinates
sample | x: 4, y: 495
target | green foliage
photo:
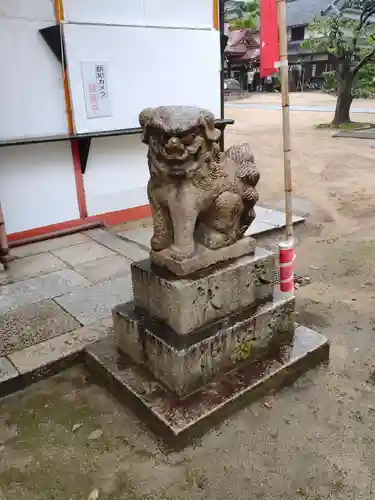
x: 365, y: 82
x: 243, y: 350
x: 242, y: 13
x: 330, y: 81
x: 343, y: 37
x: 350, y: 42
x: 363, y: 85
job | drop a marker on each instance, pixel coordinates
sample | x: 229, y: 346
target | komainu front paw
x: 214, y: 239
x: 158, y: 243
x: 182, y: 253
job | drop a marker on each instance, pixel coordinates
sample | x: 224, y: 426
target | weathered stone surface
x: 48, y: 245
x: 43, y: 354
x: 40, y: 288
x: 187, y: 304
x: 203, y: 257
x: 188, y: 417
x: 7, y: 371
x: 141, y: 235
x: 242, y: 337
x: 96, y: 302
x: 32, y: 324
x: 126, y: 248
x: 198, y: 195
x: 31, y: 267
x: 104, y: 269
x: 80, y: 254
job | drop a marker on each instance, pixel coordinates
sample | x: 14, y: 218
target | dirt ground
x: 313, y: 441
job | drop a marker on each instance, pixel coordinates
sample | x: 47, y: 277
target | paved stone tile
x: 104, y: 269
x: 32, y: 324
x: 126, y: 248
x: 142, y: 236
x: 96, y: 302
x: 30, y: 267
x: 48, y: 245
x: 43, y: 287
x: 274, y: 217
x: 7, y: 372
x: 39, y: 355
x: 80, y: 254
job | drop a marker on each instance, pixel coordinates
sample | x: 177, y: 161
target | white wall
x: 41, y: 10
x: 37, y: 185
x: 32, y: 102
x: 183, y: 69
x: 104, y: 11
x: 181, y: 13
x: 116, y: 174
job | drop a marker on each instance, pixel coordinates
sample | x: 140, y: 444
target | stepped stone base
x: 184, y: 364
x: 189, y: 303
x: 179, y: 420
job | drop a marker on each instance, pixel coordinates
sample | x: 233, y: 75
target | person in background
x: 250, y: 81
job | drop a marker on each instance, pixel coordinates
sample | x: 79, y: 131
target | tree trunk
x: 344, y: 102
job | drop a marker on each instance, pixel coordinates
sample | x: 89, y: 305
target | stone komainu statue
x: 198, y: 195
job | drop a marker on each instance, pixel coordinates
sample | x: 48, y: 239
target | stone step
x: 184, y: 366
x: 179, y: 421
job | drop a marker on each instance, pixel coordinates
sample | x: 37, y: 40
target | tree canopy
x: 348, y: 36
x: 242, y: 13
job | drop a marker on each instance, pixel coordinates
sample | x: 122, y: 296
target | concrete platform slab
x: 31, y: 267
x: 126, y: 248
x: 38, y: 357
x: 31, y: 324
x: 104, y: 269
x: 189, y: 417
x: 43, y: 287
x: 274, y: 217
x: 96, y: 302
x: 141, y: 236
x: 48, y: 245
x: 259, y: 227
x: 356, y: 134
x: 80, y: 254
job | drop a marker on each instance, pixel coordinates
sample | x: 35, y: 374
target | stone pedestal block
x: 184, y: 366
x: 189, y: 303
x: 204, y: 257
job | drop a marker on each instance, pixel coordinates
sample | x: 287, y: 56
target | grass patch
x: 346, y: 126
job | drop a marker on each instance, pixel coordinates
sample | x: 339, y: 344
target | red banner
x: 269, y: 37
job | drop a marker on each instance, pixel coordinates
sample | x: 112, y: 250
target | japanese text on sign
x: 94, y: 77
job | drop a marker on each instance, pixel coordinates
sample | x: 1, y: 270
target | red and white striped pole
x: 286, y: 259
x: 286, y: 253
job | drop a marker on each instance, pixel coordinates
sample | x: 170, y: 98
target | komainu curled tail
x: 248, y: 178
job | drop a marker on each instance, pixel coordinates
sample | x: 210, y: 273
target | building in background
x: 242, y: 55
x: 305, y: 65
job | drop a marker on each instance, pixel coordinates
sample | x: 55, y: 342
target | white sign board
x: 95, y: 88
